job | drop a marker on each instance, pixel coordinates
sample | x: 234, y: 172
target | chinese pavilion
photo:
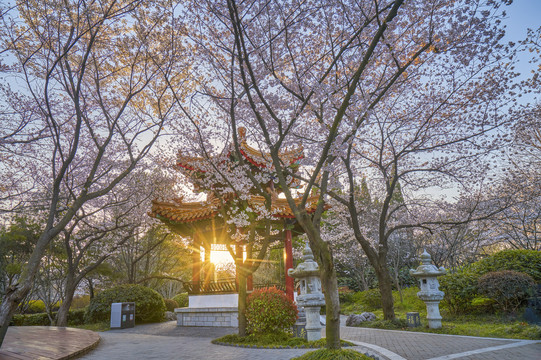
x: 204, y: 223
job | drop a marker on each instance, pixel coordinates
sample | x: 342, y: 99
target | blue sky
x: 522, y: 14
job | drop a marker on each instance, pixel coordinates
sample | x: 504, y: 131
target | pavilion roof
x: 181, y: 212
x: 184, y: 212
x: 255, y: 157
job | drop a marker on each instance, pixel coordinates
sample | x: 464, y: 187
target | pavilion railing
x: 226, y: 286
x: 211, y: 287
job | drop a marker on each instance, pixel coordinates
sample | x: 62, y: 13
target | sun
x: 221, y: 257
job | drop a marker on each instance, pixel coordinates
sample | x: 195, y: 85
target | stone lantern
x: 311, y: 297
x: 427, y: 275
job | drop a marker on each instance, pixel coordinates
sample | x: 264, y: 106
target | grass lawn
x: 324, y: 354
x: 484, y: 325
x: 277, y: 339
x: 101, y: 326
x: 471, y: 325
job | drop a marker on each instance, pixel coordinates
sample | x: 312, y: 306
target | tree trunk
x: 63, y: 311
x: 398, y: 287
x: 17, y: 293
x: 242, y: 301
x: 323, y: 256
x: 386, y: 290
x: 90, y: 288
x: 332, y: 327
x: 9, y: 305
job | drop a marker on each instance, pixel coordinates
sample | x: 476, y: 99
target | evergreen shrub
x: 80, y: 302
x: 75, y: 317
x: 524, y: 261
x: 269, y: 310
x: 149, y: 305
x: 508, y: 288
x: 181, y: 299
x: 35, y: 307
x: 346, y: 295
x: 40, y: 319
x: 170, y: 304
x: 460, y: 289
x: 370, y: 300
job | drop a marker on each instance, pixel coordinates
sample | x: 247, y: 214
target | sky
x: 521, y: 15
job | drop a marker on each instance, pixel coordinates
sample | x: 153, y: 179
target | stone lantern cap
x: 307, y: 268
x: 426, y: 269
x: 308, y: 274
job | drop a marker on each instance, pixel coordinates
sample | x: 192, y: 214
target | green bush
x: 410, y: 300
x: 524, y: 261
x: 460, y: 289
x: 80, y: 302
x: 508, y: 288
x: 181, y: 299
x: 149, y: 305
x: 170, y: 304
x: 269, y: 310
x: 75, y: 317
x: 339, y: 354
x: 346, y: 295
x: 35, y: 307
x: 370, y: 300
x: 40, y: 319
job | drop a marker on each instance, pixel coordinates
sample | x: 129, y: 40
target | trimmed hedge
x: 149, y: 304
x: 75, y: 317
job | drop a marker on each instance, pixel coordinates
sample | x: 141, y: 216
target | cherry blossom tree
x: 103, y: 226
x: 85, y: 79
x: 401, y: 93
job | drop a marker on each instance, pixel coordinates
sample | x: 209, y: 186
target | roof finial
x: 242, y: 133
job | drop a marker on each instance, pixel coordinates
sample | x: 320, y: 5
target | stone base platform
x: 211, y: 316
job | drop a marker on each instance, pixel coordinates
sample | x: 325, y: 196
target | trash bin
x: 122, y: 315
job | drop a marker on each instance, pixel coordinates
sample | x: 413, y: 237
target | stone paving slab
x: 167, y: 341
x: 426, y: 346
x: 531, y: 351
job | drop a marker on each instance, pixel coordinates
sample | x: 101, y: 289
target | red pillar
x: 250, y: 283
x: 196, y: 265
x: 207, y: 267
x: 290, y: 282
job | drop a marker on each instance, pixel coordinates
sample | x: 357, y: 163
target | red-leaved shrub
x: 269, y: 310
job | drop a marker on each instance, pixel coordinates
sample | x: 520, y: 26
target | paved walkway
x: 402, y: 345
x: 167, y: 341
